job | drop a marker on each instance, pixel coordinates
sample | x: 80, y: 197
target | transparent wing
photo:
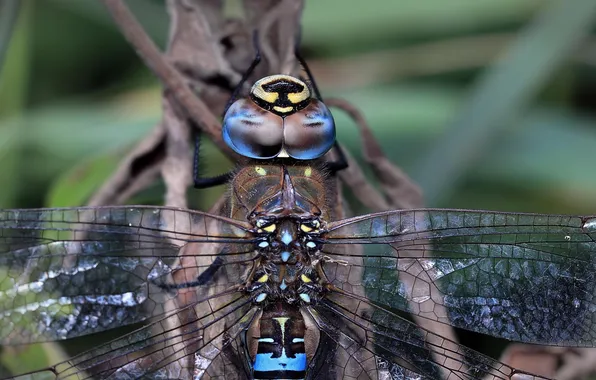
x: 524, y: 277
x: 184, y: 344
x: 71, y: 272
x: 373, y: 343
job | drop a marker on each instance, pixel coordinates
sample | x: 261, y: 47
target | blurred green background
x: 73, y: 92
x: 74, y: 96
x: 487, y: 104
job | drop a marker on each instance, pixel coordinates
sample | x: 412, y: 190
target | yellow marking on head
x: 259, y: 92
x: 270, y: 228
x: 263, y: 278
x: 297, y: 97
x: 305, y: 278
x: 308, y: 172
x: 276, y: 78
x: 260, y: 170
x: 283, y: 109
x: 258, y: 89
x: 305, y: 228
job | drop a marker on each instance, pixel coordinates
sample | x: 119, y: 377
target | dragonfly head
x: 280, y: 118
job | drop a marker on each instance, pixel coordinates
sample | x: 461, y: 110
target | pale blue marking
x: 261, y: 297
x: 266, y: 362
x: 263, y: 244
x: 286, y: 237
x: 298, y: 340
x: 283, y: 285
x: 267, y: 340
x: 285, y: 256
x: 305, y: 297
x: 311, y: 244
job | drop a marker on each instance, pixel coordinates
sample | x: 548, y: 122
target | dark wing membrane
x: 71, y: 272
x: 524, y: 277
x: 185, y: 344
x: 373, y: 343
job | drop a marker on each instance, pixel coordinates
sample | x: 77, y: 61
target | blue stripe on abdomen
x: 266, y: 362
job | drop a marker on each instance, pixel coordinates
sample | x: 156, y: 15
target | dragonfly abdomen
x: 281, y: 343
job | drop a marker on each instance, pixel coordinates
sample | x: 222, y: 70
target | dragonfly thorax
x: 287, y: 225
x: 287, y: 209
x: 288, y: 265
x: 289, y: 241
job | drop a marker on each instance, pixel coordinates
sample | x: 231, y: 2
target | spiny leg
x: 206, y: 182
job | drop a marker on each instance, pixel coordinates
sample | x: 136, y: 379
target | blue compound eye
x: 310, y: 132
x: 252, y: 131
x: 279, y: 119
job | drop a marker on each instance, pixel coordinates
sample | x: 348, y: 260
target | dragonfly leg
x: 341, y: 162
x: 248, y: 72
x: 205, y: 182
x: 203, y: 279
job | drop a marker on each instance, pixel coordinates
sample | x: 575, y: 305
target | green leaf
x: 545, y: 154
x: 15, y: 68
x: 77, y: 185
x: 68, y: 132
x: 504, y: 91
x: 13, y: 90
x: 350, y: 24
x: 30, y: 358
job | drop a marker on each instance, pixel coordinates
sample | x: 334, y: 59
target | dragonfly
x: 275, y: 286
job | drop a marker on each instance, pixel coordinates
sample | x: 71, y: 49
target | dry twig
x: 137, y: 170
x: 400, y: 190
x: 170, y: 77
x: 196, y: 59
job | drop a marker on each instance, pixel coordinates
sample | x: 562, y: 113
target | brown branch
x: 135, y: 172
x: 265, y: 25
x: 424, y: 59
x: 288, y: 34
x: 354, y: 178
x: 401, y: 191
x: 193, y: 45
x: 285, y: 16
x: 177, y: 167
x: 169, y: 76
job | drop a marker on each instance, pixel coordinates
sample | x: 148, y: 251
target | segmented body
x: 282, y: 203
x: 278, y: 287
x: 287, y: 206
